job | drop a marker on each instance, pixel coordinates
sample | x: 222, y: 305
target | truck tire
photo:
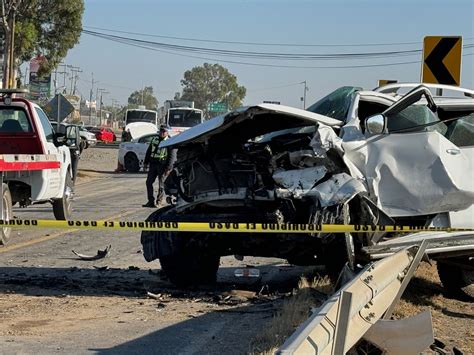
x: 457, y: 277
x: 131, y: 163
x: 62, y: 207
x: 7, y: 214
x: 84, y: 143
x: 190, y: 268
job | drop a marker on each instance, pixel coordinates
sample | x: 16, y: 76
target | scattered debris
x: 100, y: 254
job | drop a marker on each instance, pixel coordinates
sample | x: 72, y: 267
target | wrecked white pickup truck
x: 372, y: 158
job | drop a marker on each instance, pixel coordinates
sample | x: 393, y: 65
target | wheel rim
x: 6, y: 216
x: 68, y: 195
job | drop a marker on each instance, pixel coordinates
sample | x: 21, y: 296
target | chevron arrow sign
x: 442, y: 60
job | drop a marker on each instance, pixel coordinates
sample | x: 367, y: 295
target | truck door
x: 51, y: 178
x: 412, y: 168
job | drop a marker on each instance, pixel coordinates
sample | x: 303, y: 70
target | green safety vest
x: 158, y: 154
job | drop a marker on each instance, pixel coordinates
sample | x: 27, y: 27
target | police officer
x: 160, y: 162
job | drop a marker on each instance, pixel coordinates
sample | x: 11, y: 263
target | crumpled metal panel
x: 303, y: 158
x: 415, y: 173
x: 299, y: 181
x: 324, y: 139
x: 339, y: 189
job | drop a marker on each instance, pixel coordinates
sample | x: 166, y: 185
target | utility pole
x: 102, y: 91
x: 56, y: 72
x: 74, y: 75
x: 114, y: 109
x: 90, y: 98
x: 304, y: 94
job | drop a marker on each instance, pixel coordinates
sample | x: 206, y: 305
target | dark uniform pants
x: 156, y: 170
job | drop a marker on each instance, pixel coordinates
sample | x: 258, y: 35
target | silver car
x: 360, y: 157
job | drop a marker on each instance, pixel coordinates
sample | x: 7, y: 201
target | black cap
x: 165, y: 127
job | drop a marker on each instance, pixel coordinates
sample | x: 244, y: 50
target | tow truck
x: 35, y: 162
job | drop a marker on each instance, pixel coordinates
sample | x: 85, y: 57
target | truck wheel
x: 62, y: 207
x: 84, y: 143
x: 457, y: 277
x: 131, y: 163
x: 7, y: 214
x: 189, y: 268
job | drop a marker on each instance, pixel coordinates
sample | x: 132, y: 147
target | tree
x: 143, y: 97
x: 44, y: 27
x: 212, y: 83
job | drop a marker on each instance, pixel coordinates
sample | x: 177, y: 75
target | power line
x: 259, y: 55
x: 257, y: 43
x: 173, y: 52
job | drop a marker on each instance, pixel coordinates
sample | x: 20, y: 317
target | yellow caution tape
x: 222, y: 227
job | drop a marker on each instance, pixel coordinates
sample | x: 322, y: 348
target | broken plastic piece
x: 100, y: 254
x: 247, y: 272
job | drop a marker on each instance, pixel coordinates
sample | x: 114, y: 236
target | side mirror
x: 375, y: 124
x: 71, y: 136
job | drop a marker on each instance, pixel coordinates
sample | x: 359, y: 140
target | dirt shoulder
x: 453, y: 319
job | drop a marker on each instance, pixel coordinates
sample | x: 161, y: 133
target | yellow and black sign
x: 223, y: 227
x: 442, y: 60
x: 383, y: 82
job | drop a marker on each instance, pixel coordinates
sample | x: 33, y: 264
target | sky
x: 322, y: 26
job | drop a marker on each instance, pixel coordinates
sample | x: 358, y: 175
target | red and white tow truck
x: 35, y: 162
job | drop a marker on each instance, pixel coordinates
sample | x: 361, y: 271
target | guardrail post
x: 342, y: 323
x: 409, y: 274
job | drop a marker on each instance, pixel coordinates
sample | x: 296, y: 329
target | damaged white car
x: 361, y: 157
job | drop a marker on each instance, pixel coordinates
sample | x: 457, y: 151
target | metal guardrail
x: 359, y: 306
x: 438, y: 243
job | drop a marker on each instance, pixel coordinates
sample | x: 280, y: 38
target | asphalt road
x: 107, y: 308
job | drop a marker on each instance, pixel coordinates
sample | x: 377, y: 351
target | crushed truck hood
x: 249, y: 122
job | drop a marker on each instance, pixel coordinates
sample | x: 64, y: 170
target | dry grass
x: 295, y: 310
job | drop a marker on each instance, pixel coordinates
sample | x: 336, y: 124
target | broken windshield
x: 336, y: 104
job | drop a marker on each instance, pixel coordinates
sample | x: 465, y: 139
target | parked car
x: 114, y: 136
x: 132, y: 154
x: 102, y: 134
x: 361, y: 157
x: 88, y: 138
